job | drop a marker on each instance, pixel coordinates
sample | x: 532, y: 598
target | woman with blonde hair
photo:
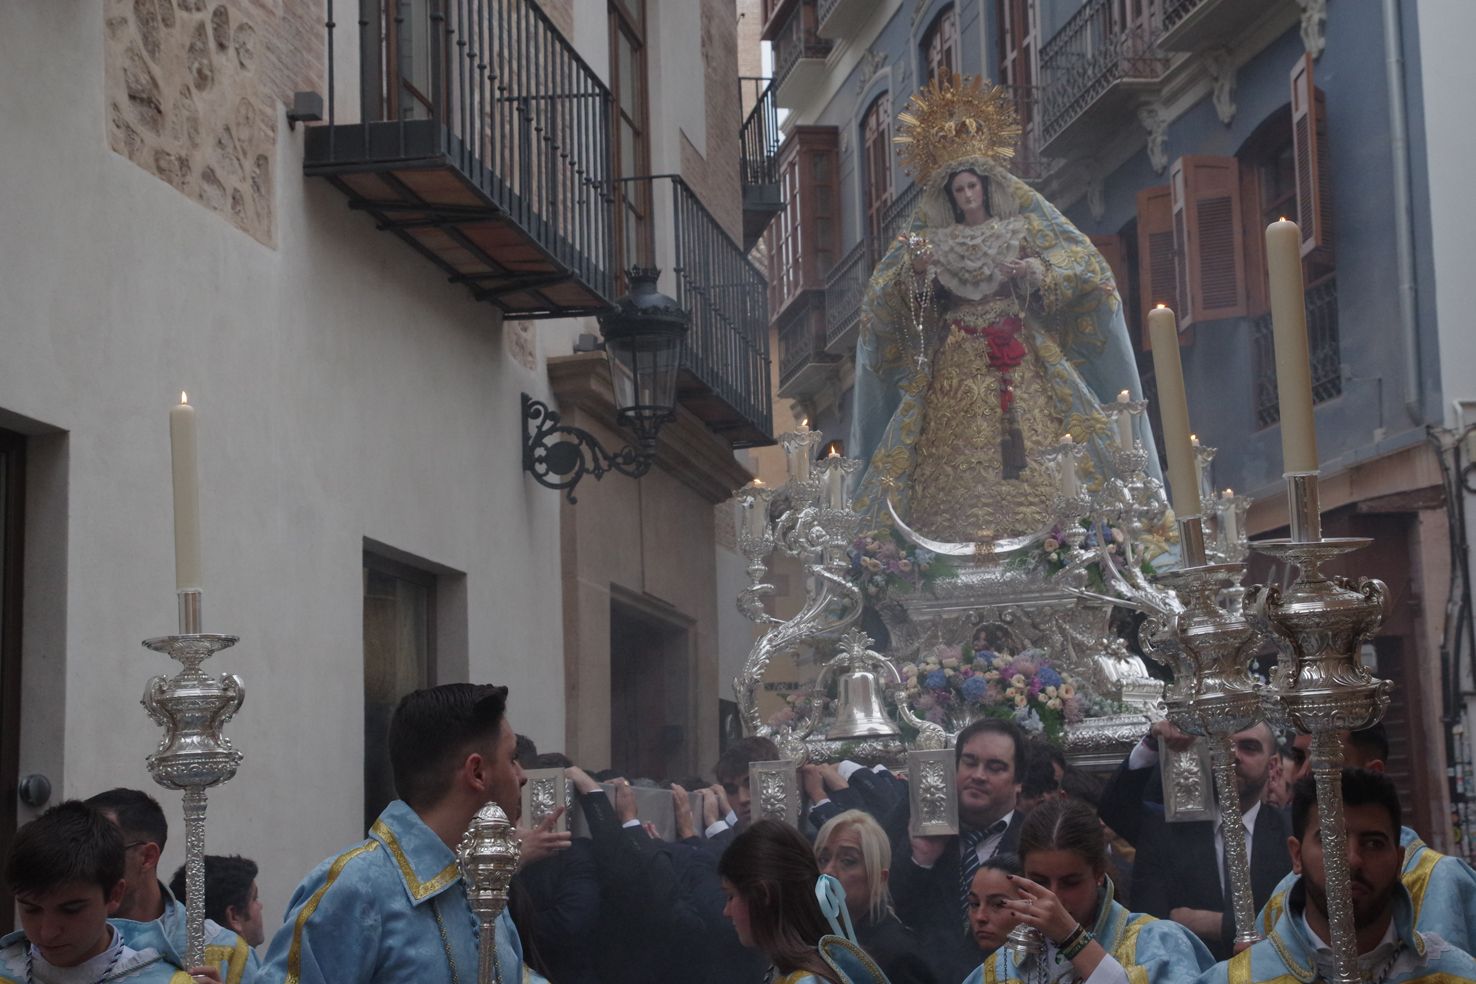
x: 853, y: 848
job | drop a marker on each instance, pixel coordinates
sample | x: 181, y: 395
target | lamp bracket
x: 558, y: 456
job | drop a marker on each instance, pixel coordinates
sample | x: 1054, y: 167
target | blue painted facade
x: 1351, y: 72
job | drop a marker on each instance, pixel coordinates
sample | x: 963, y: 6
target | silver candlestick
x: 488, y: 856
x: 193, y: 755
x: 1217, y: 643
x: 1320, y: 622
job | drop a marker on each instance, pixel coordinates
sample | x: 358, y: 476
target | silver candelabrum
x: 816, y: 527
x: 1209, y: 643
x: 193, y: 755
x: 1319, y: 623
x: 488, y: 856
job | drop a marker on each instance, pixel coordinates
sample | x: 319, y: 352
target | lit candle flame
x: 1229, y: 493
x: 1161, y: 306
x: 184, y: 398
x: 1066, y: 439
x: 1194, y: 439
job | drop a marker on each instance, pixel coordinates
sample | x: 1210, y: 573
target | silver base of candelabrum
x: 488, y: 855
x: 1320, y: 622
x: 193, y: 754
x: 1215, y: 645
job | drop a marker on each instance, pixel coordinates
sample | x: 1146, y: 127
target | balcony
x: 799, y: 50
x: 483, y: 142
x: 841, y: 20
x: 725, y: 361
x: 1325, y: 352
x: 1196, y: 25
x: 1029, y: 163
x: 759, y: 168
x: 804, y: 365
x: 845, y: 288
x: 1094, y: 73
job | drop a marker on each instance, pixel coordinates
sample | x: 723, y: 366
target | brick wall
x: 712, y: 171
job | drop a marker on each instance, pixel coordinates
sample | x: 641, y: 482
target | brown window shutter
x: 1155, y: 254
x: 1313, y: 163
x: 1208, y: 238
x: 1256, y: 302
x: 1111, y: 249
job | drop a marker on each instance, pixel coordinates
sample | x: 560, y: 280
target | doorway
x: 651, y: 710
x: 12, y: 502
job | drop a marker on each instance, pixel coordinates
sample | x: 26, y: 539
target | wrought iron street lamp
x: 643, y: 342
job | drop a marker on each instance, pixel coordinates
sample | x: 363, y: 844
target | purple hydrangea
x: 1047, y: 676
x: 936, y: 680
x: 974, y: 688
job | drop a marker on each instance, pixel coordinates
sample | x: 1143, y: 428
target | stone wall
x: 193, y: 90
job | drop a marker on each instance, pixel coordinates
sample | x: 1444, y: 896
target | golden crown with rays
x: 956, y: 119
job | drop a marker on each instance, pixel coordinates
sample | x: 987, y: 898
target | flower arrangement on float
x: 883, y: 563
x: 951, y: 686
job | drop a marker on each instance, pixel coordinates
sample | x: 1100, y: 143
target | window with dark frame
x: 803, y: 238
x: 876, y: 130
x: 940, y: 44
x: 631, y: 139
x: 399, y: 656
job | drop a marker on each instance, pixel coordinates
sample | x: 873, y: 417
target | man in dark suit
x: 1180, y: 871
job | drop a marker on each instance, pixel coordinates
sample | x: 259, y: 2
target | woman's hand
x: 1040, y: 908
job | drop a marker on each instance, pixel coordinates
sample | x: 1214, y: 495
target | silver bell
x: 858, y: 711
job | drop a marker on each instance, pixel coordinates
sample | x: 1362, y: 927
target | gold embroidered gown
x: 934, y: 433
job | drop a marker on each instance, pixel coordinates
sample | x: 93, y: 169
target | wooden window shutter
x: 1208, y: 238
x: 1313, y: 164
x: 1155, y: 254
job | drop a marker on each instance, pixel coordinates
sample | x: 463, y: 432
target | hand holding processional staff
x: 193, y: 754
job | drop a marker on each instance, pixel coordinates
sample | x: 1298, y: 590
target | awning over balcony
x: 483, y: 144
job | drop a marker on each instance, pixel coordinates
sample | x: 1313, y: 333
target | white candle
x: 798, y: 457
x: 1124, y: 422
x: 185, y: 466
x: 757, y: 511
x: 835, y: 482
x: 1173, y: 411
x: 1293, y: 366
x: 1232, y: 522
x: 1068, y: 467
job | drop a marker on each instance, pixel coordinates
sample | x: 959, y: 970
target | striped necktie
x: 968, y: 866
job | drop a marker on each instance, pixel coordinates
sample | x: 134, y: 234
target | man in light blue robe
x: 393, y: 907
x: 1391, y: 950
x: 150, y: 917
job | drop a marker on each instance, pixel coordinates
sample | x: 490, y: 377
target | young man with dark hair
x: 393, y: 907
x: 1443, y: 887
x: 65, y: 869
x: 732, y: 775
x: 150, y: 916
x: 1390, y: 949
x: 231, y: 897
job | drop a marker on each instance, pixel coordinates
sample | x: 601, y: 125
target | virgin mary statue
x: 989, y: 331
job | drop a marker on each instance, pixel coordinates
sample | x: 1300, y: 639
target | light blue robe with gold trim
x: 1442, y: 889
x: 1287, y: 954
x: 224, y: 950
x: 1151, y: 951
x: 134, y: 966
x: 369, y: 916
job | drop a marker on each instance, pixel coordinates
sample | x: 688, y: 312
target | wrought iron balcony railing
x: 1029, y: 163
x: 1324, y: 349
x: 798, y: 39
x: 482, y: 138
x: 759, y: 138
x: 725, y: 361
x: 1104, y: 42
x: 845, y: 288
x: 895, y: 221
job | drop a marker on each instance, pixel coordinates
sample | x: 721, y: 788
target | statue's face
x: 967, y: 191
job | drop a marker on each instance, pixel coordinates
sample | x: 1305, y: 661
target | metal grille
x: 845, y: 289
x: 1103, y: 42
x: 1324, y: 350
x: 759, y: 137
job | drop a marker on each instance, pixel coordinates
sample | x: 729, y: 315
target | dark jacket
x: 562, y: 916
x: 897, y: 950
x: 1176, y: 866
